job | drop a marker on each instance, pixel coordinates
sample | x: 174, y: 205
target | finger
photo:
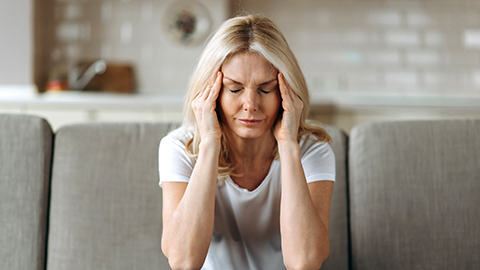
x: 285, y: 92
x: 217, y: 86
x: 281, y: 84
x: 201, y: 92
x: 285, y: 89
x: 294, y: 98
x: 206, y: 92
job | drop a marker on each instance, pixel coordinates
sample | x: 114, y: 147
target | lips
x: 250, y: 122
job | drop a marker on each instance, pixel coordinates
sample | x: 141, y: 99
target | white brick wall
x: 129, y: 31
x: 16, y: 45
x: 429, y: 47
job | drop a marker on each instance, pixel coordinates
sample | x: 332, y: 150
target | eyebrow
x: 236, y: 82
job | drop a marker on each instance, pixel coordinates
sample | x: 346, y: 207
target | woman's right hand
x: 204, y: 106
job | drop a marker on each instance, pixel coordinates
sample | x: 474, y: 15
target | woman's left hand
x: 286, y: 127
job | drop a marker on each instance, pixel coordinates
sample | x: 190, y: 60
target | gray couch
x: 407, y: 195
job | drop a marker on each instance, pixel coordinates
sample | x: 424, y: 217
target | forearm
x: 188, y: 233
x: 304, y: 235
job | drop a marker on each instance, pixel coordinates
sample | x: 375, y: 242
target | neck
x: 250, y: 150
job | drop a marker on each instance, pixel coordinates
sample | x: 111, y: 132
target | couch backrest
x: 105, y: 199
x: 106, y: 203
x: 414, y: 195
x: 25, y: 161
x: 339, y: 242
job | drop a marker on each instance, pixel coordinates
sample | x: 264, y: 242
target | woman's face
x: 250, y: 99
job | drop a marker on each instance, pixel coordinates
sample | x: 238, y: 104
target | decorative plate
x: 187, y: 22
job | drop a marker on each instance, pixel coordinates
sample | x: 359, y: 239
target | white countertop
x: 356, y: 101
x: 93, y: 100
x: 102, y: 100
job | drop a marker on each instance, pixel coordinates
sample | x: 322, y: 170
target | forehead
x: 248, y: 64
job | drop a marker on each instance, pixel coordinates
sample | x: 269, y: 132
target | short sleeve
x: 174, y: 164
x: 318, y: 161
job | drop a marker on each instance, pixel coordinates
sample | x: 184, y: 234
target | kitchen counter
x: 356, y: 101
x: 68, y: 107
x: 341, y: 109
x: 102, y: 100
x: 92, y: 100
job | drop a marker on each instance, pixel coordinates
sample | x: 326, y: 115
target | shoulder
x: 309, y: 145
x: 317, y: 158
x: 178, y: 137
x: 174, y: 164
x: 175, y: 142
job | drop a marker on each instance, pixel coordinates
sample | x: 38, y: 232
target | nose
x: 250, y: 102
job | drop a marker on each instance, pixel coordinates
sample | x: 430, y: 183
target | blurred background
x: 130, y: 60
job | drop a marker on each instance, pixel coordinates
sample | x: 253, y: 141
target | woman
x: 246, y: 182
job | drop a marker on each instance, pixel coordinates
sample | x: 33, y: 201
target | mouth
x: 249, y: 122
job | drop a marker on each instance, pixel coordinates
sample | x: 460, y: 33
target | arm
x: 188, y: 209
x: 304, y: 208
x: 188, y: 214
x: 304, y: 214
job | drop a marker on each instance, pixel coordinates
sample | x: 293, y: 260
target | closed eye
x: 235, y: 90
x: 263, y: 91
x: 268, y: 90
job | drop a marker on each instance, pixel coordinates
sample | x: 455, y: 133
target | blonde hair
x: 250, y: 34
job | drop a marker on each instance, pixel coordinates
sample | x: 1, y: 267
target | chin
x: 247, y: 132
x: 250, y: 134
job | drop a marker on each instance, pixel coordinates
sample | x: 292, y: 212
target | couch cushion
x: 106, y: 202
x: 25, y: 161
x: 339, y: 257
x: 414, y: 195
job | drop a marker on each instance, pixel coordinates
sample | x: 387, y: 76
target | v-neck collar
x: 262, y: 184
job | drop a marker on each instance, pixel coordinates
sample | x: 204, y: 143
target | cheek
x: 273, y: 106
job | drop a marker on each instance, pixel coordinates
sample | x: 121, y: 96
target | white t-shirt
x: 246, y: 232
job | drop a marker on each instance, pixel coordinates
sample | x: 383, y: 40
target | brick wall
x: 400, y: 47
x: 393, y: 47
x: 128, y: 31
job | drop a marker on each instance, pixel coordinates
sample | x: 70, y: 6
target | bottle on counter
x: 58, y: 75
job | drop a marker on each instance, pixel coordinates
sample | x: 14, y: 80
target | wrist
x: 210, y: 145
x: 289, y: 148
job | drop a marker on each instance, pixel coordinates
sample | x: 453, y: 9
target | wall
x: 401, y: 47
x: 125, y: 31
x: 16, y: 46
x: 44, y: 39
